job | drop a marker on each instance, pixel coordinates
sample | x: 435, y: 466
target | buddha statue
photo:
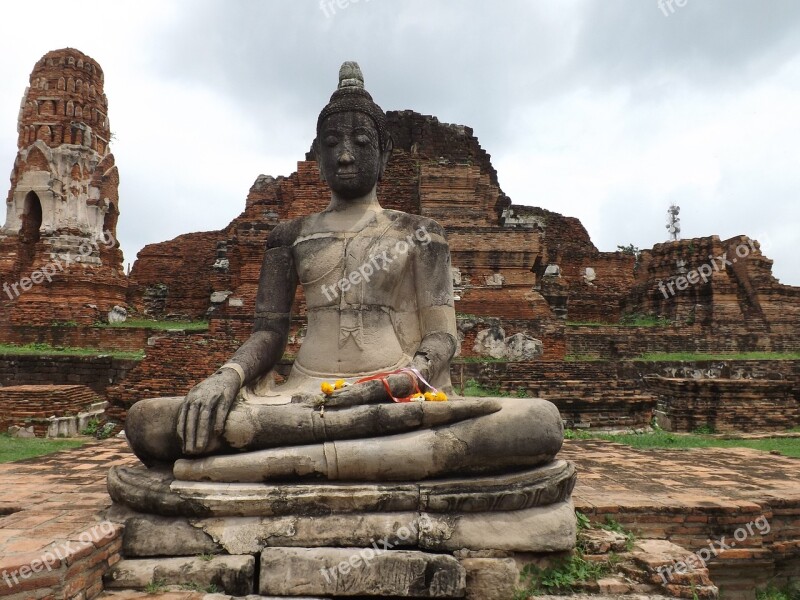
x: 366, y: 434
x: 379, y: 297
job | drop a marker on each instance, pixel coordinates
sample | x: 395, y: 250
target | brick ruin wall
x: 23, y: 403
x: 610, y: 342
x: 714, y: 283
x: 96, y: 373
x: 725, y: 405
x: 627, y: 394
x: 129, y: 339
x: 173, y: 365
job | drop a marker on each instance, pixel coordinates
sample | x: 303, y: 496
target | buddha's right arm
x: 276, y: 290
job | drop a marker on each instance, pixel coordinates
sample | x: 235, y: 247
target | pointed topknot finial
x: 350, y: 75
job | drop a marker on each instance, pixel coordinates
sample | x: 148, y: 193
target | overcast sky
x: 605, y: 110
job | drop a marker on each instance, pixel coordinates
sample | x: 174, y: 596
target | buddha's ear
x: 319, y: 160
x: 386, y: 155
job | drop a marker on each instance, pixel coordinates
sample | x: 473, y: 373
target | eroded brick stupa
x: 59, y: 256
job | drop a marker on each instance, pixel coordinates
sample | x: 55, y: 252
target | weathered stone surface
x: 360, y: 572
x: 493, y: 342
x: 541, y: 529
x: 492, y: 535
x: 150, y: 536
x: 250, y: 535
x: 490, y: 578
x: 233, y: 574
x: 147, y: 491
x: 602, y: 541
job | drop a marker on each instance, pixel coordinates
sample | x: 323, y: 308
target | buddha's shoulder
x: 285, y: 233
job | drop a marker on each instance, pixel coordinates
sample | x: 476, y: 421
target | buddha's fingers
x: 221, y: 414
x: 202, y: 428
x: 190, y: 432
x: 181, y: 429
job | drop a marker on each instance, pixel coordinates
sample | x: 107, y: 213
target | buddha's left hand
x: 370, y: 392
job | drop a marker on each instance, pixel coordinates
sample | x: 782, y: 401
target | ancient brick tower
x: 59, y: 255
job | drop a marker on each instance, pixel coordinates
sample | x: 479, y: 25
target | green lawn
x: 663, y: 439
x: 12, y: 449
x: 161, y: 325
x: 48, y: 350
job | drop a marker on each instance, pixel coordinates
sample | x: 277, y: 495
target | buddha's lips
x: 346, y: 174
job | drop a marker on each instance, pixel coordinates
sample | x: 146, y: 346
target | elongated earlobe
x: 385, y: 156
x: 319, y: 160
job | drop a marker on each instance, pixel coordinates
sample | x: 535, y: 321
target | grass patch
x: 155, y: 587
x: 693, y: 357
x: 774, y: 593
x: 571, y: 574
x: 12, y: 449
x: 474, y: 389
x: 38, y: 349
x: 564, y: 577
x: 626, y: 321
x: 676, y: 441
x: 160, y: 325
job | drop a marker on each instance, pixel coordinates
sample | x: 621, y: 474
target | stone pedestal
x: 451, y: 538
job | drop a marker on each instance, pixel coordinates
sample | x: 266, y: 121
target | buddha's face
x: 350, y: 158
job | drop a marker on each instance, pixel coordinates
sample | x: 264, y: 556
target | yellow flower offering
x: 327, y: 388
x: 417, y: 398
x: 339, y: 384
x: 435, y: 396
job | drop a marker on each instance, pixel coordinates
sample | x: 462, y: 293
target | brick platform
x: 688, y: 497
x: 52, y: 535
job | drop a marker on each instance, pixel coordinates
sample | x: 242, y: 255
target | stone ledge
x: 159, y: 493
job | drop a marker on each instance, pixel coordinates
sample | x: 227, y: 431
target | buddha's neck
x: 351, y: 210
x: 354, y: 205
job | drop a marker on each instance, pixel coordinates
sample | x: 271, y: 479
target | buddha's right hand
x: 202, y: 415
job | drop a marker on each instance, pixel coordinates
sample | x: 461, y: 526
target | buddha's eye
x: 363, y: 139
x: 331, y: 140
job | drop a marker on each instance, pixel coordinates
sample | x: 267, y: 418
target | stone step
x: 234, y: 575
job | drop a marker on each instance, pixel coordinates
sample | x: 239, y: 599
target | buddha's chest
x: 353, y: 269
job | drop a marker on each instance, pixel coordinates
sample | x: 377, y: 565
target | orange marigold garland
x: 432, y: 395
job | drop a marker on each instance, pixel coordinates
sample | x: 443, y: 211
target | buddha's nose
x: 346, y: 157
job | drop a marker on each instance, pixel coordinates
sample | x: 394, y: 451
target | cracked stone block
x: 360, y: 572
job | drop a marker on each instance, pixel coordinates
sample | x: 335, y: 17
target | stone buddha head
x: 353, y: 143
